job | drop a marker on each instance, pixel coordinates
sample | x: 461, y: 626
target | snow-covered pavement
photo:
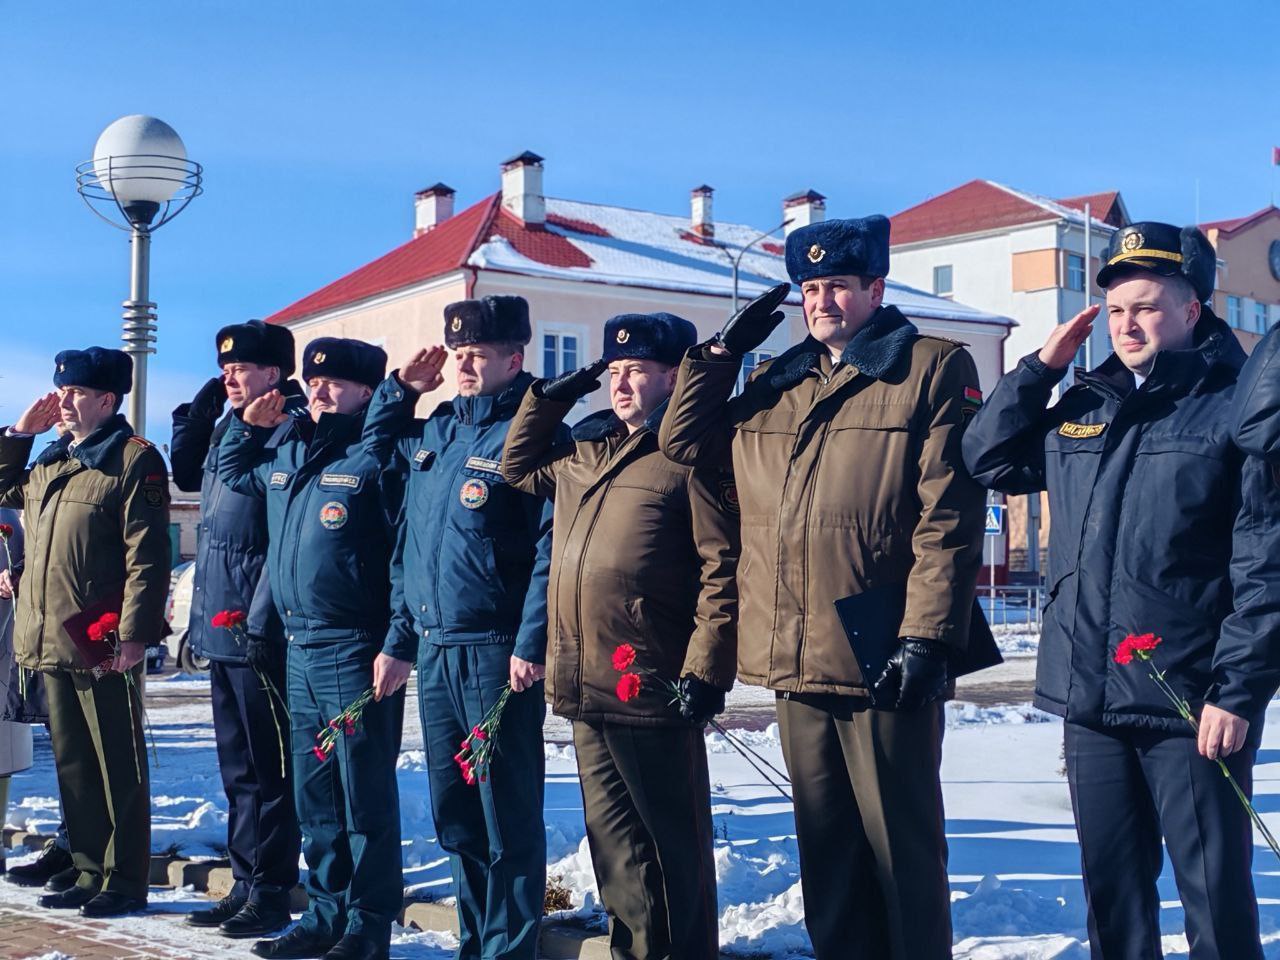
x: 1014, y: 860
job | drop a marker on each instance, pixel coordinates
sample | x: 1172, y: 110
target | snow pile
x: 961, y: 714
x: 1016, y: 639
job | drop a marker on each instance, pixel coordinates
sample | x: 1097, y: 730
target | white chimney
x: 701, y: 222
x: 522, y: 188
x: 432, y: 207
x: 803, y: 209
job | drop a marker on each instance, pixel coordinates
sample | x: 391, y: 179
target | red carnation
x: 110, y: 622
x: 1136, y: 644
x: 320, y: 754
x: 6, y: 531
x: 479, y: 734
x: 624, y: 657
x: 350, y: 727
x: 628, y: 686
x: 95, y: 631
x: 219, y: 619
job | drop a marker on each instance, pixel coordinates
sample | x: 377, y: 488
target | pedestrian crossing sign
x: 995, y: 519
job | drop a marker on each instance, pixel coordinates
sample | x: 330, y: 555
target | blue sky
x: 317, y: 121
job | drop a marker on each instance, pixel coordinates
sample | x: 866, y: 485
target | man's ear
x: 877, y: 291
x: 1193, y: 313
x: 517, y: 362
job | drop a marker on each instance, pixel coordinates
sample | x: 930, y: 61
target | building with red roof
x: 579, y: 263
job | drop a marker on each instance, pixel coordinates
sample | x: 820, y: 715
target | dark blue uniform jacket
x: 1159, y: 524
x: 330, y: 509
x: 472, y: 560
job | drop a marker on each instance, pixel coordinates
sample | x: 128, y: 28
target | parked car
x: 178, y: 613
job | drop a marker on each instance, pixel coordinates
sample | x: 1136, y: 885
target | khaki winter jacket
x: 849, y: 477
x: 97, y: 535
x: 643, y: 553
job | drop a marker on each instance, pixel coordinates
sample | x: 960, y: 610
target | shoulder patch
x: 948, y: 340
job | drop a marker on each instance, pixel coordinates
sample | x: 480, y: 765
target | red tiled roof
x: 1231, y: 226
x: 436, y: 252
x: 576, y: 226
x: 969, y: 208
x: 536, y: 243
x: 981, y: 205
x: 1106, y: 207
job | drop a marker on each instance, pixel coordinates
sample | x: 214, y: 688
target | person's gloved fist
x: 751, y: 326
x: 260, y: 654
x: 572, y: 386
x: 699, y: 700
x: 208, y: 401
x: 916, y: 674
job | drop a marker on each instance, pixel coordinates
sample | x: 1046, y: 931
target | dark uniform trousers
x: 646, y: 795
x: 107, y: 806
x: 349, y: 805
x: 1128, y: 787
x: 262, y: 828
x: 493, y: 831
x: 870, y: 827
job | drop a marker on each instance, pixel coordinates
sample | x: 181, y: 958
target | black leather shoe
x: 224, y: 909
x: 63, y: 880
x: 256, y: 920
x: 111, y: 904
x: 297, y: 944
x: 352, y: 947
x: 70, y: 899
x: 36, y: 874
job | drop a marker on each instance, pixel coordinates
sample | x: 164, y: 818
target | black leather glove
x: 208, y: 401
x: 699, y: 701
x: 572, y: 386
x: 915, y: 675
x: 751, y: 326
x: 261, y: 654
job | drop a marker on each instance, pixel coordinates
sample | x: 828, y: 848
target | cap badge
x: 623, y: 336
x: 318, y: 357
x: 456, y: 325
x: 816, y: 253
x: 226, y: 345
x: 1132, y: 242
x: 62, y: 367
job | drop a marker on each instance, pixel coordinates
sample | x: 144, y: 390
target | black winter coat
x: 1159, y: 524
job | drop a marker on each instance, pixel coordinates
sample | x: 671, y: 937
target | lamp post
x: 738, y: 259
x: 139, y: 174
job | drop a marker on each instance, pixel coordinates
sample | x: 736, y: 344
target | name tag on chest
x: 481, y: 463
x: 1081, y: 431
x: 349, y: 480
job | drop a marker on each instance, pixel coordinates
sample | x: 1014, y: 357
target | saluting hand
x: 525, y: 674
x: 423, y: 371
x: 40, y: 416
x: 1061, y: 347
x: 572, y: 386
x: 266, y: 411
x: 751, y: 326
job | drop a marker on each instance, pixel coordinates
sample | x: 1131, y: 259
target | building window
x: 1235, y: 312
x: 942, y: 280
x: 559, y: 353
x: 750, y: 360
x: 1075, y: 272
x: 1260, y: 317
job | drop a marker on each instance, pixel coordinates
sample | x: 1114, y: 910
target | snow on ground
x: 1014, y: 861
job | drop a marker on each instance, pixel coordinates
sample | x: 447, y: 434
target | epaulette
x: 934, y: 336
x: 141, y: 441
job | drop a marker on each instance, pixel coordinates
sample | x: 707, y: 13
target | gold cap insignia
x: 816, y: 253
x: 456, y: 325
x: 623, y: 336
x: 318, y: 357
x: 1132, y: 242
x: 226, y: 345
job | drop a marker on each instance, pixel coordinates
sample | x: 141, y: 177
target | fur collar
x: 875, y: 350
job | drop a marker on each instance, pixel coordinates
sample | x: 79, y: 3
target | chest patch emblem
x: 729, y: 496
x: 340, y: 480
x: 483, y: 463
x: 474, y: 494
x: 333, y: 515
x: 424, y: 456
x: 1081, y: 431
x: 279, y: 478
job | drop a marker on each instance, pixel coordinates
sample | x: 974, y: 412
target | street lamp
x: 139, y: 173
x: 738, y: 259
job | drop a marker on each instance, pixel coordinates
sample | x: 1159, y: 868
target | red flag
x: 1275, y: 156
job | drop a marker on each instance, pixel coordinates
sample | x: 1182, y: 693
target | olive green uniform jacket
x: 97, y: 529
x: 643, y: 553
x: 849, y: 477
